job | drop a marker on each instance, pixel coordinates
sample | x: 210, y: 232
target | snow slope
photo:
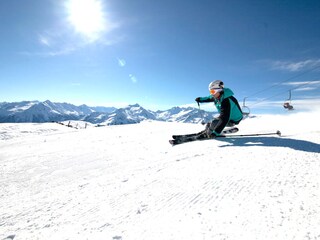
x: 127, y: 182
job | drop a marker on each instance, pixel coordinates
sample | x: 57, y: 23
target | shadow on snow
x: 295, y: 144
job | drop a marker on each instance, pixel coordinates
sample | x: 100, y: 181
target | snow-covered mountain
x: 185, y: 115
x: 35, y: 111
x: 136, y: 114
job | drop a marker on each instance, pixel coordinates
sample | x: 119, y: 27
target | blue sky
x: 160, y: 54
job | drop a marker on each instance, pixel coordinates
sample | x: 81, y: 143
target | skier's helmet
x: 217, y: 84
x: 215, y: 87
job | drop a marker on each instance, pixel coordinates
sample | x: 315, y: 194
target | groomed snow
x: 126, y: 182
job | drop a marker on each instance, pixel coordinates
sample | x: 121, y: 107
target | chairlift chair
x: 245, y: 109
x: 287, y: 104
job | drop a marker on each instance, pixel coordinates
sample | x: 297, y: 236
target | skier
x: 230, y: 113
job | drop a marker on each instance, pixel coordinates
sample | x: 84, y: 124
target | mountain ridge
x: 47, y: 111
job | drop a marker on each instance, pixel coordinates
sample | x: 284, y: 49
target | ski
x: 192, y: 138
x: 187, y: 139
x: 178, y: 139
x: 227, y: 131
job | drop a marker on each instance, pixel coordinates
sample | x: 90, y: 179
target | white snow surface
x: 127, y: 182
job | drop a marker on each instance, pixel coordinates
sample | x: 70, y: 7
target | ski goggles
x: 214, y: 91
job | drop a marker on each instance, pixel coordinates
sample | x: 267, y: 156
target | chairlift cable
x: 288, y: 79
x: 306, y: 83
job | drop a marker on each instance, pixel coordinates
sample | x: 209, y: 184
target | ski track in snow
x: 127, y: 182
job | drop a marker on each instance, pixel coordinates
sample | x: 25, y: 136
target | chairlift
x: 245, y: 109
x: 287, y: 103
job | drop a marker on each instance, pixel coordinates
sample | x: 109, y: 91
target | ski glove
x: 197, y: 99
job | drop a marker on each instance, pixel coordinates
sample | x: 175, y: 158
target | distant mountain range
x: 36, y: 111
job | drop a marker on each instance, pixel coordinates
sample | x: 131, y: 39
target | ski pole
x: 251, y: 135
x: 202, y: 122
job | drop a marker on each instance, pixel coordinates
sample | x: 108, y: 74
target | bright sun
x: 87, y: 17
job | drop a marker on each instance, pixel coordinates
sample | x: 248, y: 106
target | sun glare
x: 87, y: 17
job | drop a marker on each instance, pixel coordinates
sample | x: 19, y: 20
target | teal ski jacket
x: 228, y: 107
